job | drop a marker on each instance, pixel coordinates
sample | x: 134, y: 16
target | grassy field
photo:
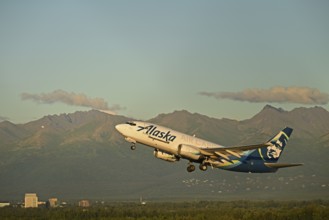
x: 202, y: 210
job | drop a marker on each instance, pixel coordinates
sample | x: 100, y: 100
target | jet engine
x: 188, y: 152
x: 165, y: 156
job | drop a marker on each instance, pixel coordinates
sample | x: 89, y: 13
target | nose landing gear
x: 133, y: 147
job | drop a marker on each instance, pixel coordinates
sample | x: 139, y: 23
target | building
x: 53, y: 202
x: 141, y: 201
x: 31, y: 200
x: 4, y: 204
x: 84, y: 203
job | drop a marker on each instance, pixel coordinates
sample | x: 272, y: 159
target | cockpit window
x: 131, y: 123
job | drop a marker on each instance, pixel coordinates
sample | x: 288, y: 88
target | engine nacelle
x: 189, y: 152
x: 165, y: 156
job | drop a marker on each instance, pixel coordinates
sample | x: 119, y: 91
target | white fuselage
x: 171, y: 145
x: 162, y: 138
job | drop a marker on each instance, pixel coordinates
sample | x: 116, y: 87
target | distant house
x: 31, y: 200
x: 52, y: 203
x: 141, y: 201
x: 84, y: 203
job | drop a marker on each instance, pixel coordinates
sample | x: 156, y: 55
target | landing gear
x: 190, y: 168
x: 203, y: 167
x: 133, y: 147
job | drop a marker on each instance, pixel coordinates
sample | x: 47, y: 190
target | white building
x: 53, y: 202
x: 31, y: 200
x: 84, y: 203
x: 4, y: 204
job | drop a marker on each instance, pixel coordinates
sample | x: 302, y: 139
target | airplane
x: 171, y: 145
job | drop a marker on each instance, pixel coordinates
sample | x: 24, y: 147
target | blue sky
x: 144, y: 58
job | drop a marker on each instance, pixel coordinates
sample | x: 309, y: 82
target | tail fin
x: 273, y: 152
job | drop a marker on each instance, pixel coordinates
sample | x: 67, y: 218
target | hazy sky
x: 141, y: 58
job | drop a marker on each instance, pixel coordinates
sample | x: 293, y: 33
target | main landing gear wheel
x: 190, y: 168
x: 133, y: 147
x: 203, y: 167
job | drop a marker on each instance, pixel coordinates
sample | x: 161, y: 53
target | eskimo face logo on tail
x: 274, y: 151
x: 152, y: 131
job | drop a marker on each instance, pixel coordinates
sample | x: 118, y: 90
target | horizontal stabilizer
x: 282, y: 165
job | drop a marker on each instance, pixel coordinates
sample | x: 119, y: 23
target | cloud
x: 278, y: 94
x: 71, y: 98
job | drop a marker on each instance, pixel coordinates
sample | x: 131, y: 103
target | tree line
x: 202, y: 210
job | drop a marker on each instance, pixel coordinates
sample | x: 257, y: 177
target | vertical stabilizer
x: 273, y: 152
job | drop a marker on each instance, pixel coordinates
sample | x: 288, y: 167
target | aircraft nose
x: 119, y: 128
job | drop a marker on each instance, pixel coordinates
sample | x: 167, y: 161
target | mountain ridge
x: 82, y: 155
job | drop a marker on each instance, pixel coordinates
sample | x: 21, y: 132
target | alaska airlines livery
x: 171, y: 145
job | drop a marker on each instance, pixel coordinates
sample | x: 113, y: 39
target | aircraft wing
x: 225, y: 152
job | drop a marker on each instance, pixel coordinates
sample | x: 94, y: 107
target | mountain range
x: 81, y: 155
